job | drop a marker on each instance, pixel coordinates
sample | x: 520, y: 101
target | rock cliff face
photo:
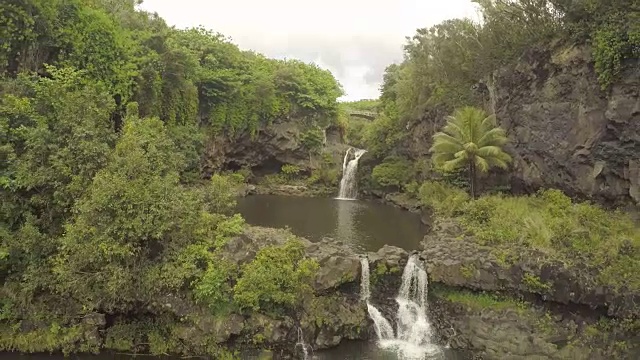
x: 565, y: 131
x: 270, y: 148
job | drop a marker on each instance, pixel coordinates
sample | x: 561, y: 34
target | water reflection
x: 346, y: 217
x: 366, y: 225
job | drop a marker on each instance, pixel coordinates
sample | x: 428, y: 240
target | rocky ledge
x: 293, y: 190
x: 483, y: 301
x: 456, y: 260
x: 334, y: 314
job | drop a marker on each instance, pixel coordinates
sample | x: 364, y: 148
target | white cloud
x: 355, y: 39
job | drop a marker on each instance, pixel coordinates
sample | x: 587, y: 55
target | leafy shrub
x: 325, y: 176
x: 412, y: 188
x: 221, y: 191
x: 246, y: 173
x: 290, y: 171
x: 279, y: 278
x: 444, y: 199
x: 313, y: 139
x: 393, y: 172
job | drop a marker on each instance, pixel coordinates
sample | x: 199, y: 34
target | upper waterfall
x: 348, y: 185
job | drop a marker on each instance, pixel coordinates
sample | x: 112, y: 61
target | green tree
x: 470, y: 139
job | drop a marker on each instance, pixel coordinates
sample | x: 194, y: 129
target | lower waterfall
x: 412, y: 337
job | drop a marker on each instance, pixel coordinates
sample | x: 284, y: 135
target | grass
x: 550, y: 223
x: 481, y: 300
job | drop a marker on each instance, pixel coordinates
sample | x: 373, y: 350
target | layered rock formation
x: 271, y: 147
x: 532, y: 308
x: 565, y: 131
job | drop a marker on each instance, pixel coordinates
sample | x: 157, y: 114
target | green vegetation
x: 479, y: 301
x: 534, y: 283
x: 446, y: 66
x: 444, y: 199
x: 549, y: 223
x: 277, y: 281
x: 470, y: 139
x: 393, y: 172
x: 371, y: 105
x: 104, y: 116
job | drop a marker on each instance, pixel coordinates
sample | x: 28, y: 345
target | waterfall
x: 304, y: 346
x: 348, y: 189
x: 364, y: 282
x: 412, y: 338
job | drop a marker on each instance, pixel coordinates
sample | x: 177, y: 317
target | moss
x: 468, y: 271
x: 51, y: 338
x: 331, y: 310
x: 481, y: 300
x: 534, y: 283
x: 380, y: 271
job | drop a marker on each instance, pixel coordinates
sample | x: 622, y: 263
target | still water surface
x: 365, y: 225
x: 347, y: 350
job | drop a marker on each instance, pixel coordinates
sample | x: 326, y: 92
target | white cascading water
x: 304, y: 346
x: 364, y: 281
x: 412, y: 338
x: 348, y: 188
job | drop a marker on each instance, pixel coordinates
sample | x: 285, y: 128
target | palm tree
x: 470, y: 139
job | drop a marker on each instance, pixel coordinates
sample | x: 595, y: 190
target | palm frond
x: 454, y: 130
x: 442, y: 137
x: 441, y: 158
x: 489, y: 151
x: 481, y: 164
x: 454, y: 164
x: 494, y: 137
x: 499, y: 163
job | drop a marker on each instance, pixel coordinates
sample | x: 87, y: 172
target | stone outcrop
x: 455, y: 261
x: 565, y: 131
x: 507, y: 329
x: 336, y: 313
x: 267, y: 150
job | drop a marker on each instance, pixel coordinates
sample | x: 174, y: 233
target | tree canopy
x: 104, y: 114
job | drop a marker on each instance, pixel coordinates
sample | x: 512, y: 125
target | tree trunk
x: 472, y: 178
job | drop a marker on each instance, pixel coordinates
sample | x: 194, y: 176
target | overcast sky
x: 354, y: 39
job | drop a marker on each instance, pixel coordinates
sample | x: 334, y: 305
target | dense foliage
x: 104, y: 115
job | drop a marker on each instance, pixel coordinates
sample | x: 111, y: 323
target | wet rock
x: 91, y: 325
x: 327, y: 339
x: 335, y: 270
x: 392, y: 256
